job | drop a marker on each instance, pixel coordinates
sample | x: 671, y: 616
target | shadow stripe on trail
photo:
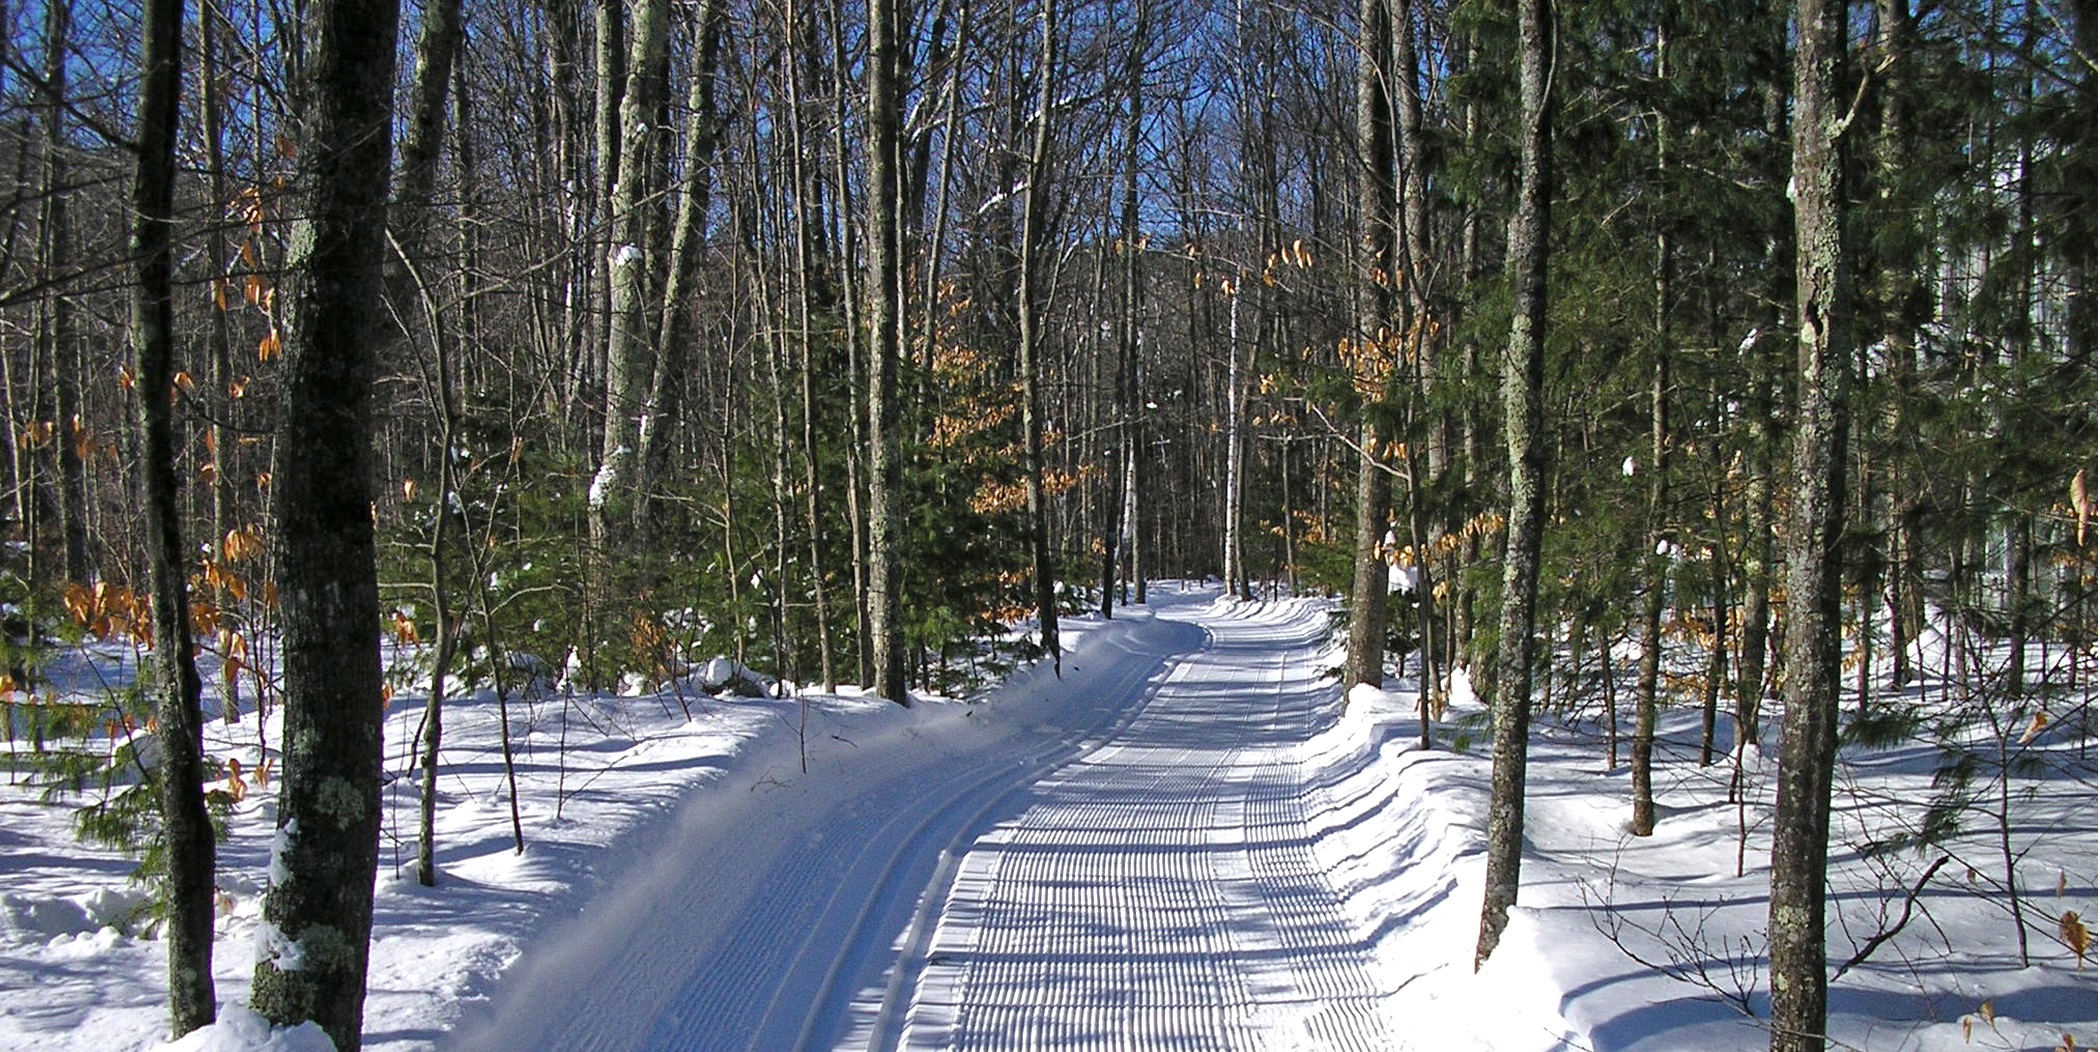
x: 1160, y: 892
x: 1120, y: 859
x: 751, y: 926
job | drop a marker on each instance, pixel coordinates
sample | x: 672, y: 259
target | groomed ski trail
x: 1161, y: 892
x: 1118, y: 859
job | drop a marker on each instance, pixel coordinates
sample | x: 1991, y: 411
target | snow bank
x: 241, y: 1030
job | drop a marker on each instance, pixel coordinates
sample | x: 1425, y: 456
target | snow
x: 1185, y: 841
x: 1400, y: 580
x: 241, y: 1030
x: 608, y: 472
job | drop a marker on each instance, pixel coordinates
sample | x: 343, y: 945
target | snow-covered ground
x: 1184, y: 842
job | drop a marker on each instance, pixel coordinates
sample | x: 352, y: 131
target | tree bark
x: 1654, y: 560
x: 1122, y: 516
x: 663, y: 406
x: 630, y: 338
x: 1373, y: 285
x: 317, y: 913
x: 885, y: 292
x: 56, y: 333
x: 220, y: 339
x: 179, y: 778
x: 1523, y: 380
x: 1033, y: 207
x: 437, y: 47
x: 1808, y: 729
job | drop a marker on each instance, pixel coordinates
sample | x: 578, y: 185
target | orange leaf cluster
x: 404, y: 629
x: 108, y: 611
x: 243, y: 544
x: 36, y: 434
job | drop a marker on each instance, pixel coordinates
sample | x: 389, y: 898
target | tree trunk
x: 885, y: 292
x: 610, y: 36
x: 317, y: 914
x: 220, y: 338
x: 630, y: 337
x: 1808, y: 729
x: 423, y: 137
x: 1033, y: 207
x: 1522, y: 405
x: 1373, y: 284
x: 1654, y: 559
x: 179, y: 777
x: 807, y: 272
x: 1119, y: 535
x: 1235, y: 449
x: 1419, y: 331
x: 663, y: 406
x: 57, y: 344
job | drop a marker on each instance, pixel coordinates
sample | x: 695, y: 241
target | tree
x: 1034, y: 204
x: 1119, y: 534
x: 317, y: 913
x: 633, y: 208
x: 1373, y: 283
x: 885, y: 316
x: 1655, y: 560
x: 1523, y: 383
x: 1808, y: 723
x: 185, y: 825
x: 58, y: 329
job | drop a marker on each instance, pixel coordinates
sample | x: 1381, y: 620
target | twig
x: 1909, y: 901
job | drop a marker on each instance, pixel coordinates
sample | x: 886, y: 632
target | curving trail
x: 1121, y: 859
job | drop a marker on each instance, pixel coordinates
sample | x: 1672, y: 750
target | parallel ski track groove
x: 1140, y: 879
x: 1161, y: 893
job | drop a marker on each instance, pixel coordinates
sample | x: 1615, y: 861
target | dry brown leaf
x: 2075, y: 935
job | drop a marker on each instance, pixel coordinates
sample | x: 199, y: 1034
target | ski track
x: 1135, y: 874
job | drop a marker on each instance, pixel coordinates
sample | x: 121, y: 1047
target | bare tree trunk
x: 1655, y: 559
x: 1033, y: 206
x: 436, y: 51
x: 610, y: 36
x: 852, y: 290
x: 1522, y: 405
x: 885, y: 292
x: 220, y: 338
x: 1235, y: 449
x: 440, y: 595
x: 1808, y: 729
x: 437, y: 47
x: 805, y: 201
x: 1372, y: 284
x: 663, y: 406
x: 1419, y: 330
x: 630, y: 337
x: 57, y: 336
x: 186, y: 827
x: 1121, y: 521
x: 317, y: 915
